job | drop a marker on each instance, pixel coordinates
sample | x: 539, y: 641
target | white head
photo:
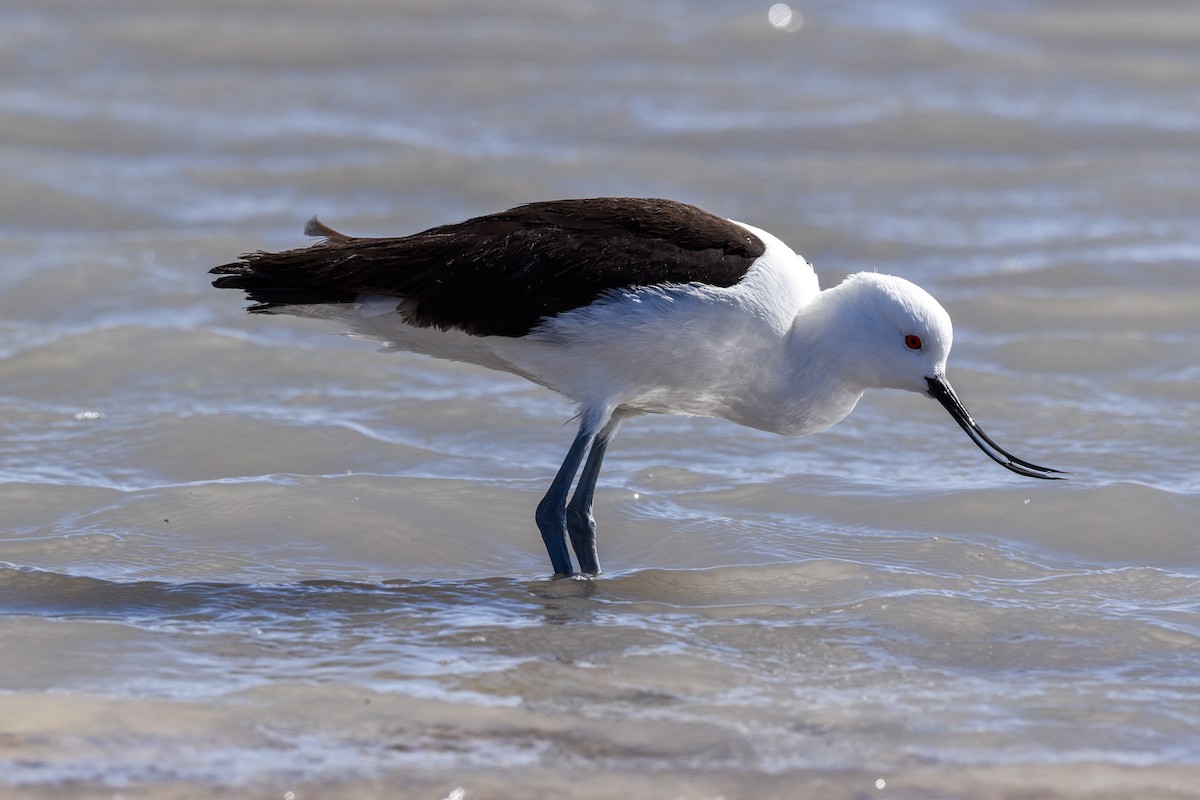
x: 894, y: 335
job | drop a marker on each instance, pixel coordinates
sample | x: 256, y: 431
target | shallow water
x: 248, y: 556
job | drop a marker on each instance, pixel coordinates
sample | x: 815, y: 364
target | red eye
x: 913, y: 341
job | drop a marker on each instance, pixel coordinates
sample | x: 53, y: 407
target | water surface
x: 247, y: 556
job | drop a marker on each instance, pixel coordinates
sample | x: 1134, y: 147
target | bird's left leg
x: 581, y: 525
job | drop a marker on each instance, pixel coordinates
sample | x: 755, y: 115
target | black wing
x: 501, y: 274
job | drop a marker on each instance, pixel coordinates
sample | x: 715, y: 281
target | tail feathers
x: 269, y: 290
x: 267, y: 294
x: 273, y: 280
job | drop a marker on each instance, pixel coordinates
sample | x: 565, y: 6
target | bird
x: 626, y: 306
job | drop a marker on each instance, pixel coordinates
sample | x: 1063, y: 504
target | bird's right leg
x: 551, y: 514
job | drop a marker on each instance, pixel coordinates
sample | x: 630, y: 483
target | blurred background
x: 250, y: 554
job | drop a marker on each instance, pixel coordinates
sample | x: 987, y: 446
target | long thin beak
x: 940, y: 390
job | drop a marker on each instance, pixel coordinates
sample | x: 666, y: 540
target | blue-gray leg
x: 551, y: 514
x: 581, y: 525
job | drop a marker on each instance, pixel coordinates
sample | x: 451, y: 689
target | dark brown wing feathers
x: 501, y: 274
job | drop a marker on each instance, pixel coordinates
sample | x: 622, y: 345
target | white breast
x: 693, y: 349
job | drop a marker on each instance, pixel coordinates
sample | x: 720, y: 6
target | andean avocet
x: 626, y: 306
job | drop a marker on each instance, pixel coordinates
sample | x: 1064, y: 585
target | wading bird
x: 626, y: 306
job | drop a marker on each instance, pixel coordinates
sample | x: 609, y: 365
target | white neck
x: 806, y: 383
